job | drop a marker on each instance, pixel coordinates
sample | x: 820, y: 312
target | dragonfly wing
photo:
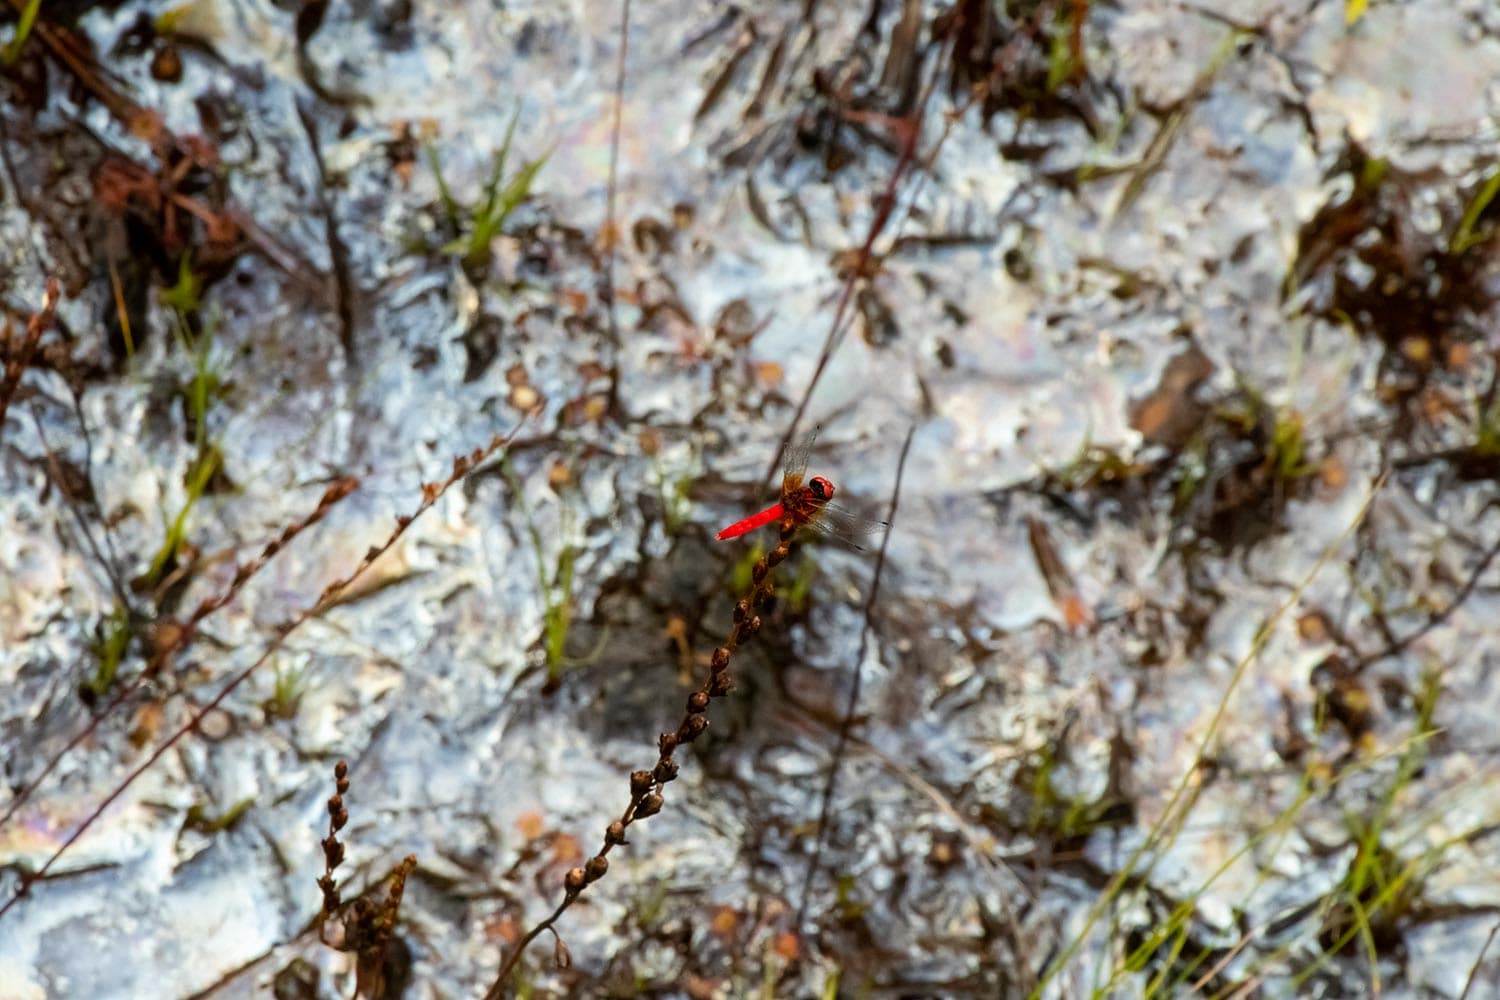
x: 795, y: 464
x: 836, y: 521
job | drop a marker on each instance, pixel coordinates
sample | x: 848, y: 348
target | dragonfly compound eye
x: 822, y: 489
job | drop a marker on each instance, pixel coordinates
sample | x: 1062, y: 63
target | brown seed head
x: 575, y: 880
x: 596, y: 867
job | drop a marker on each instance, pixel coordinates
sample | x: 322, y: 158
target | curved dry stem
x: 170, y: 638
x: 431, y: 493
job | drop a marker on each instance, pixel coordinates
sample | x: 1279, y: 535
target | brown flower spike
x: 647, y: 786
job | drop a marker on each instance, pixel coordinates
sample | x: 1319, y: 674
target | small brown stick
x: 611, y: 224
x: 84, y: 68
x: 1474, y: 969
x: 18, y: 357
x: 646, y: 786
x: 431, y: 493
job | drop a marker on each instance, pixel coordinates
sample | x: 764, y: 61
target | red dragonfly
x: 809, y: 506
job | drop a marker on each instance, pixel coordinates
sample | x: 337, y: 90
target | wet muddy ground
x: 405, y: 360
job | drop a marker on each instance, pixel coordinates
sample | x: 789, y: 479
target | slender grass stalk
x: 27, y: 21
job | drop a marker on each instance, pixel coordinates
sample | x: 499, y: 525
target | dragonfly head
x: 822, y: 489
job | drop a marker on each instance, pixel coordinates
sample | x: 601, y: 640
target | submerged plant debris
x: 374, y: 379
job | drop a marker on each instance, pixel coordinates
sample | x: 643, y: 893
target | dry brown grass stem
x: 646, y: 787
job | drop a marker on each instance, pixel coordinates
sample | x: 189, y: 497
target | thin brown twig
x: 1436, y: 618
x: 60, y: 479
x: 330, y: 596
x: 338, y: 250
x: 84, y: 68
x: 1474, y: 969
x: 884, y: 206
x: 611, y: 226
x: 851, y: 705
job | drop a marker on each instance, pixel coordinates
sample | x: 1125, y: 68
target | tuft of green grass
x: 1280, y: 429
x: 1487, y: 434
x: 1380, y: 887
x: 199, y: 395
x: 1060, y: 63
x: 287, y: 691
x: 845, y: 905
x: 1464, y: 237
x: 557, y: 618
x: 555, y: 582
x: 650, y: 905
x: 1095, y: 466
x: 675, y: 505
x: 175, y: 533
x: 474, y: 227
x: 113, y: 639
x: 1057, y: 815
x: 186, y: 295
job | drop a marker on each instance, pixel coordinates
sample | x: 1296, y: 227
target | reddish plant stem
x: 646, y: 787
x: 170, y: 638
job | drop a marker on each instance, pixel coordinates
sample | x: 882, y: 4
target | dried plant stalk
x: 364, y: 927
x: 646, y: 787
